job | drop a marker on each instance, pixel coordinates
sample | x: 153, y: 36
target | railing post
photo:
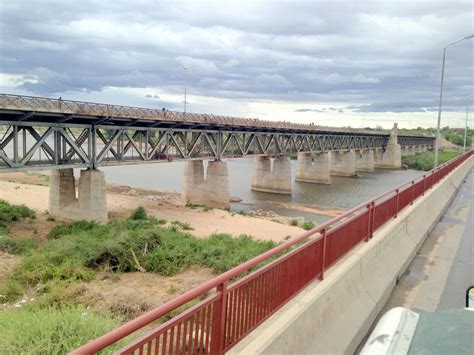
x: 412, y: 192
x: 218, y: 321
x: 323, y: 233
x: 424, y: 185
x: 397, y: 191
x: 369, y: 229
x: 372, y: 226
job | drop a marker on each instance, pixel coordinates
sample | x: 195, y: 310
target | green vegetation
x: 16, y: 245
x: 456, y: 136
x: 55, y: 322
x: 294, y: 222
x: 139, y: 214
x: 13, y: 213
x: 307, y: 225
x: 184, y: 226
x: 244, y: 213
x: 425, y: 161
x: 76, y: 251
x: 34, y: 330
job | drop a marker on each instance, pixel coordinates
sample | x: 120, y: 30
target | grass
x: 184, y: 226
x: 244, y: 213
x: 16, y: 245
x: 78, y: 250
x: 32, y: 330
x: 425, y: 161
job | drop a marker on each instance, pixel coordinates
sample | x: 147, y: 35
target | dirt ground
x: 131, y: 294
x: 32, y: 190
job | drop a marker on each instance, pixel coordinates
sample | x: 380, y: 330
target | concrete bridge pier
x: 378, y: 156
x: 392, y: 155
x: 316, y: 171
x: 276, y: 180
x: 365, y: 160
x: 405, y: 150
x: 343, y: 163
x: 62, y: 190
x: 91, y: 201
x: 212, y: 191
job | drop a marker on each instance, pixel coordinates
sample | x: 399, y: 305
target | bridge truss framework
x: 43, y: 134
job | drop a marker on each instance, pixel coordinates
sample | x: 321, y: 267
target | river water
x: 342, y: 193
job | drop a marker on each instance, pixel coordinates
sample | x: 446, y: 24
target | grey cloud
x: 308, y: 110
x: 377, y: 52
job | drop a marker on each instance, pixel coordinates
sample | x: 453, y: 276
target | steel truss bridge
x: 40, y: 134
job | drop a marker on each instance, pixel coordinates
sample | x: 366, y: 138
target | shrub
x: 425, y: 161
x: 307, y: 225
x: 222, y: 252
x: 139, y: 214
x: 71, y: 228
x: 13, y: 213
x: 182, y: 225
x: 16, y: 245
x: 4, y: 229
x: 71, y: 254
x: 51, y: 330
x: 294, y: 222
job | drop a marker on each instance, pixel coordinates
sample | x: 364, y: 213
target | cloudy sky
x: 334, y: 62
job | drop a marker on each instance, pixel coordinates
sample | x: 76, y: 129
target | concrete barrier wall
x: 333, y: 316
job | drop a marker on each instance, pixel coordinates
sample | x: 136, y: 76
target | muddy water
x: 344, y: 193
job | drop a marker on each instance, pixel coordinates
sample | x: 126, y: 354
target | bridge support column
x: 316, y: 171
x: 277, y: 181
x: 92, y: 195
x: 91, y: 203
x: 392, y: 156
x: 343, y: 163
x: 377, y: 156
x: 212, y: 191
x: 405, y: 150
x: 365, y: 160
x: 62, y: 190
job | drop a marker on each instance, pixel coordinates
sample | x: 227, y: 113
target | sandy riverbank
x: 32, y: 190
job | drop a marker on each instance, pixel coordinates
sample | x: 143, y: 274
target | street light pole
x: 185, y: 89
x: 436, y: 157
x: 465, y: 130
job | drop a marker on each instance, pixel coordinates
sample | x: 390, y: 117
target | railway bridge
x: 39, y: 133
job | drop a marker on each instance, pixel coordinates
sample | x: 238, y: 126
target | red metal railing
x: 214, y: 325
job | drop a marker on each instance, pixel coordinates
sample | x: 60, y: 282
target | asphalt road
x: 439, y: 275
